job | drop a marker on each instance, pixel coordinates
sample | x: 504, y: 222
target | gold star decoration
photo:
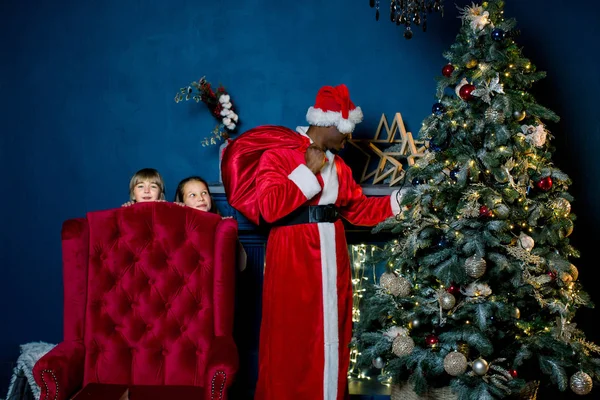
x: 390, y: 162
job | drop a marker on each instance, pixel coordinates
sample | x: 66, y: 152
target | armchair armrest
x: 60, y: 372
x: 223, y: 363
x: 226, y: 238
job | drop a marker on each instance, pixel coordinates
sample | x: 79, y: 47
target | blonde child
x: 146, y: 185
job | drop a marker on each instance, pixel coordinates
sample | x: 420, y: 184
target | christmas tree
x: 481, y: 288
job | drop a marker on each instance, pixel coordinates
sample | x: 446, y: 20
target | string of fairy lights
x: 362, y: 272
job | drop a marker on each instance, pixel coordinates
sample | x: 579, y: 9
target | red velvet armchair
x: 148, y: 300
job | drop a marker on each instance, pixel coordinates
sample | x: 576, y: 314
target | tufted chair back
x: 149, y: 294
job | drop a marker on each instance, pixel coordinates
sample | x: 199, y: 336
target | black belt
x: 310, y: 215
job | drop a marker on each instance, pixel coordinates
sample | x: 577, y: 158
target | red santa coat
x: 307, y: 294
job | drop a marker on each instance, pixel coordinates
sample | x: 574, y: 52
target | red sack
x: 241, y: 159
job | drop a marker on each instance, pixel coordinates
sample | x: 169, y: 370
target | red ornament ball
x: 453, y: 289
x: 448, y: 70
x: 465, y: 91
x: 484, y: 211
x: 431, y: 340
x: 552, y: 275
x: 545, y: 184
x: 513, y: 373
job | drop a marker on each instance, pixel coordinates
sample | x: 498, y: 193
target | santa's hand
x: 315, y: 158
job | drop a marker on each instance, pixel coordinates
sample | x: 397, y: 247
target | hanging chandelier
x: 410, y: 12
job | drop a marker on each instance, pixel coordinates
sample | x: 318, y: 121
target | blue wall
x: 87, y: 99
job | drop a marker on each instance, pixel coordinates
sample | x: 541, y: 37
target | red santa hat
x: 333, y: 107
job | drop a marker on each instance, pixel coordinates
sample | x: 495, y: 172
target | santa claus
x: 296, y: 182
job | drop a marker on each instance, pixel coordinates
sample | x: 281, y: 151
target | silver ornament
x: 526, y: 242
x: 447, y: 301
x: 561, y: 206
x: 581, y: 383
x: 475, y: 266
x: 480, y: 366
x: 415, y: 323
x: 519, y: 115
x: 501, y: 211
x: 378, y: 363
x: 455, y: 363
x: 395, y: 285
x: 403, y: 346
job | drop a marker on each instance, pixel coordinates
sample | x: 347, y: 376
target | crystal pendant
x: 416, y: 19
x: 377, y: 15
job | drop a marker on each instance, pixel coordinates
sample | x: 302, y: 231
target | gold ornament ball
x: 447, y: 301
x: 403, y: 346
x: 581, y: 383
x: 566, y: 277
x: 517, y: 313
x: 574, y: 272
x: 475, y: 266
x: 566, y: 230
x: 519, y: 115
x: 455, y: 363
x: 395, y: 285
x: 472, y: 63
x: 561, y: 206
x: 480, y: 366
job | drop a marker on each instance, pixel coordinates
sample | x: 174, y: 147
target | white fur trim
x: 395, y: 200
x: 356, y: 115
x: 306, y: 181
x: 345, y: 126
x: 330, y: 181
x: 330, y: 310
x: 318, y: 117
x: 30, y: 354
x: 329, y: 282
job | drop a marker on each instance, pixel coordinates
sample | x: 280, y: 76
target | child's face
x: 195, y: 195
x: 146, y: 191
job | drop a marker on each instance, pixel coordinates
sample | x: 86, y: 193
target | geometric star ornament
x: 395, y: 150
